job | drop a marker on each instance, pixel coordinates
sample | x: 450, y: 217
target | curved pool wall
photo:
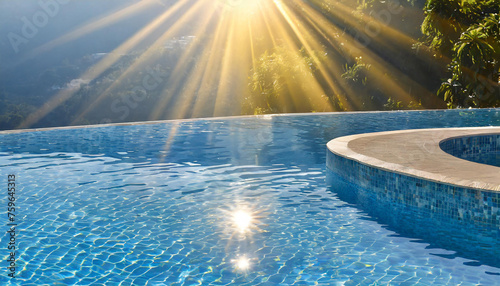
x: 449, y: 237
x: 484, y: 149
x: 474, y: 206
x: 465, y: 220
x: 140, y: 203
x: 405, y: 178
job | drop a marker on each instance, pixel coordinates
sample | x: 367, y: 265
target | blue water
x: 153, y: 204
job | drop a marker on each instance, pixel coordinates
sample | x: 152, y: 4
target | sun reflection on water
x: 242, y: 224
x: 242, y: 220
x: 242, y: 263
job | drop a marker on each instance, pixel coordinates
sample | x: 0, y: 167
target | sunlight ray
x: 207, y: 74
x: 229, y: 71
x: 291, y: 99
x: 46, y: 108
x: 93, y: 25
x: 169, y: 141
x: 252, y: 45
x: 389, y: 38
x: 101, y: 66
x: 205, y: 66
x: 265, y: 11
x: 333, y: 70
x: 146, y: 55
x: 316, y: 99
x: 312, y: 43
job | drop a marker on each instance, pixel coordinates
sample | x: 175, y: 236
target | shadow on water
x: 478, y: 243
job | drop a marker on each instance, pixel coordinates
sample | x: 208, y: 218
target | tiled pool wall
x: 472, y: 207
x: 422, y: 225
x: 480, y: 149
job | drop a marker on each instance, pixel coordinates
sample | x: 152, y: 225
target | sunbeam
x: 93, y: 25
x: 103, y: 65
x: 147, y: 54
x: 246, y: 57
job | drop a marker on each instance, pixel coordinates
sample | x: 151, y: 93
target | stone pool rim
x: 416, y: 153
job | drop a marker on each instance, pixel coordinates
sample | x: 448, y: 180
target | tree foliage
x: 285, y: 81
x: 12, y: 114
x: 467, y: 32
x: 356, y: 73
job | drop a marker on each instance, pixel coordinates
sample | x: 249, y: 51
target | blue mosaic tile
x: 483, y: 149
x: 478, y: 205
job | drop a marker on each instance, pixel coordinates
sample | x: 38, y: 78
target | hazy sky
x: 27, y: 25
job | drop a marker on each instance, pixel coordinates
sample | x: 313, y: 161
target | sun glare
x: 242, y: 220
x: 242, y: 263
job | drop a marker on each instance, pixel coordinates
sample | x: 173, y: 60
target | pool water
x: 236, y: 201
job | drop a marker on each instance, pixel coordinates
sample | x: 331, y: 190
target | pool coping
x: 416, y: 153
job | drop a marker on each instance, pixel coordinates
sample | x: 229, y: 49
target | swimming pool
x: 235, y: 201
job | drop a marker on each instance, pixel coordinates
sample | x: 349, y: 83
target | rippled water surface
x: 240, y: 201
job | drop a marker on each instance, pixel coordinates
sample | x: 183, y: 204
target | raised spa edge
x: 409, y: 167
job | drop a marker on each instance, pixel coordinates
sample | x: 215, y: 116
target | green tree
x: 357, y: 73
x: 286, y: 81
x: 467, y: 32
x: 12, y: 114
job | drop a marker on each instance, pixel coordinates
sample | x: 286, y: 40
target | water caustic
x: 229, y: 202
